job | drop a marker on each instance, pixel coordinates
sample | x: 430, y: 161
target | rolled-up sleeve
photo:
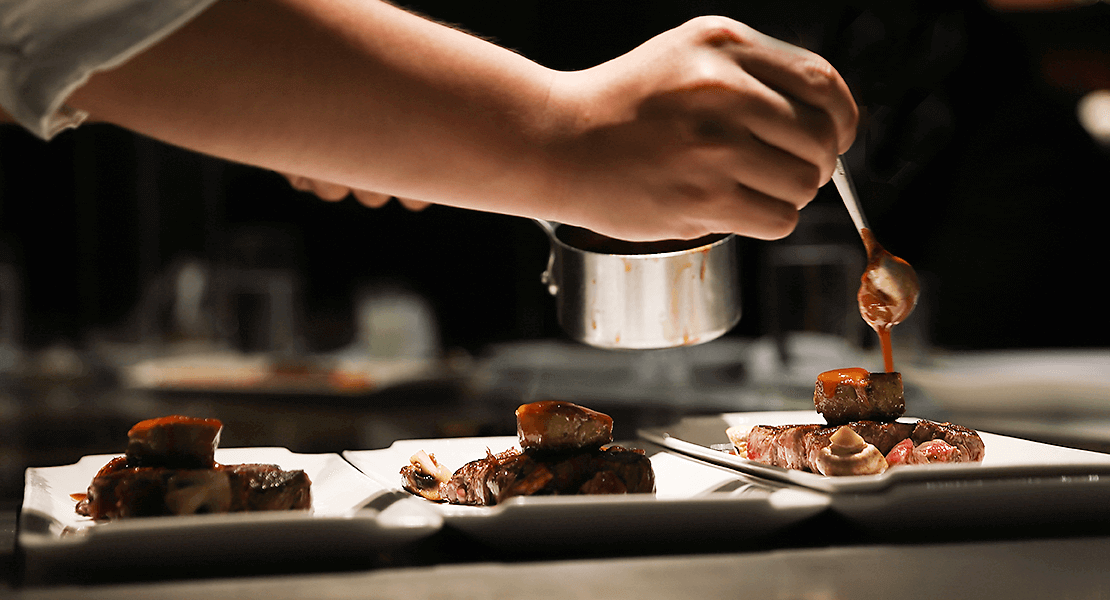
x: 48, y: 48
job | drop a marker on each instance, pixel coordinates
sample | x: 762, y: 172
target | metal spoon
x: 889, y: 287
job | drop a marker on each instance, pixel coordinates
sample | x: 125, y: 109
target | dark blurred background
x: 970, y: 163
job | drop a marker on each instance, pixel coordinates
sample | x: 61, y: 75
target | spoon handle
x: 847, y: 191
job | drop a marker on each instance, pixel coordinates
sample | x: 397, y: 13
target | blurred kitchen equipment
x: 393, y: 321
x: 1093, y: 112
x: 11, y: 316
x: 809, y: 282
x: 257, y: 290
x: 629, y: 295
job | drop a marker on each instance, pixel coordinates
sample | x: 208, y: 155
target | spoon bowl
x: 889, y: 287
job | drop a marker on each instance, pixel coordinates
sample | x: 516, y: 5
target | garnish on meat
x: 849, y: 454
x: 169, y: 469
x: 563, y: 450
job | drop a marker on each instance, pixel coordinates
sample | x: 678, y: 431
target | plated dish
x: 1005, y: 457
x: 693, y: 501
x: 53, y: 536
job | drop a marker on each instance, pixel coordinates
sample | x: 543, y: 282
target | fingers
x: 747, y: 212
x: 794, y: 128
x: 371, y: 199
x: 771, y: 170
x: 333, y: 192
x: 801, y: 77
x: 324, y: 190
x: 414, y: 205
x: 378, y: 200
x: 764, y: 217
x: 786, y: 96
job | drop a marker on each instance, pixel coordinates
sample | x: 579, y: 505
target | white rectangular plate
x: 694, y: 501
x: 1005, y: 458
x: 53, y: 536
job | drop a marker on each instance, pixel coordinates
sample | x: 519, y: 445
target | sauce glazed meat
x: 563, y: 450
x: 862, y: 435
x: 169, y: 469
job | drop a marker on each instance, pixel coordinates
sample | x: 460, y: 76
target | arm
x: 709, y: 127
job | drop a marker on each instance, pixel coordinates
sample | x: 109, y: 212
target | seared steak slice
x: 498, y: 477
x: 555, y: 425
x: 798, y: 446
x: 257, y: 487
x: 780, y: 445
x: 159, y: 491
x: 853, y: 394
x: 966, y: 440
x: 176, y: 442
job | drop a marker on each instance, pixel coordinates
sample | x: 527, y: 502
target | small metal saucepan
x: 642, y: 295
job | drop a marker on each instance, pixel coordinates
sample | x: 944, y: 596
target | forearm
x: 355, y: 92
x: 708, y: 127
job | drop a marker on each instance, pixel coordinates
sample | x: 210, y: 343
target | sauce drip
x: 853, y: 376
x: 887, y: 294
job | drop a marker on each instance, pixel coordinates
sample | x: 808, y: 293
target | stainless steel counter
x: 1015, y: 570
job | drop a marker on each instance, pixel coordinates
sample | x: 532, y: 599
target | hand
x: 333, y: 192
x: 710, y: 127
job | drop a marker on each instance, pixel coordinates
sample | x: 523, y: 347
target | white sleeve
x: 49, y: 48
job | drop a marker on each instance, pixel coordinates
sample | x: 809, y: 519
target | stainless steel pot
x: 615, y: 294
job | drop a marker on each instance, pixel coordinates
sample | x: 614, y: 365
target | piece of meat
x: 557, y: 425
x: 262, y: 487
x: 498, y: 477
x: 781, y: 446
x: 929, y: 451
x: 853, y: 394
x: 160, y: 491
x: 902, y: 454
x: 800, y: 446
x: 966, y: 440
x: 174, y: 442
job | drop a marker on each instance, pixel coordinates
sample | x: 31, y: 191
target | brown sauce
x: 829, y: 380
x: 878, y: 308
x: 584, y: 239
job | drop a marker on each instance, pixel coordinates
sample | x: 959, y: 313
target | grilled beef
x: 498, y: 477
x: 797, y: 446
x: 175, y: 442
x: 169, y: 469
x: 562, y: 452
x: 161, y: 491
x: 554, y: 425
x: 846, y: 395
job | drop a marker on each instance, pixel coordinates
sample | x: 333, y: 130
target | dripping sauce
x: 877, y: 307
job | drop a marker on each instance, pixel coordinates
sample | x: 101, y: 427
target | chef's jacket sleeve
x: 49, y: 48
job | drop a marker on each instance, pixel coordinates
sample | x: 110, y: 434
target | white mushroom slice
x: 198, y: 491
x: 849, y: 454
x: 427, y: 465
x: 739, y: 438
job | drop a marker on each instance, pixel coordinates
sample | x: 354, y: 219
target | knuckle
x: 782, y: 222
x: 819, y: 74
x: 714, y: 25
